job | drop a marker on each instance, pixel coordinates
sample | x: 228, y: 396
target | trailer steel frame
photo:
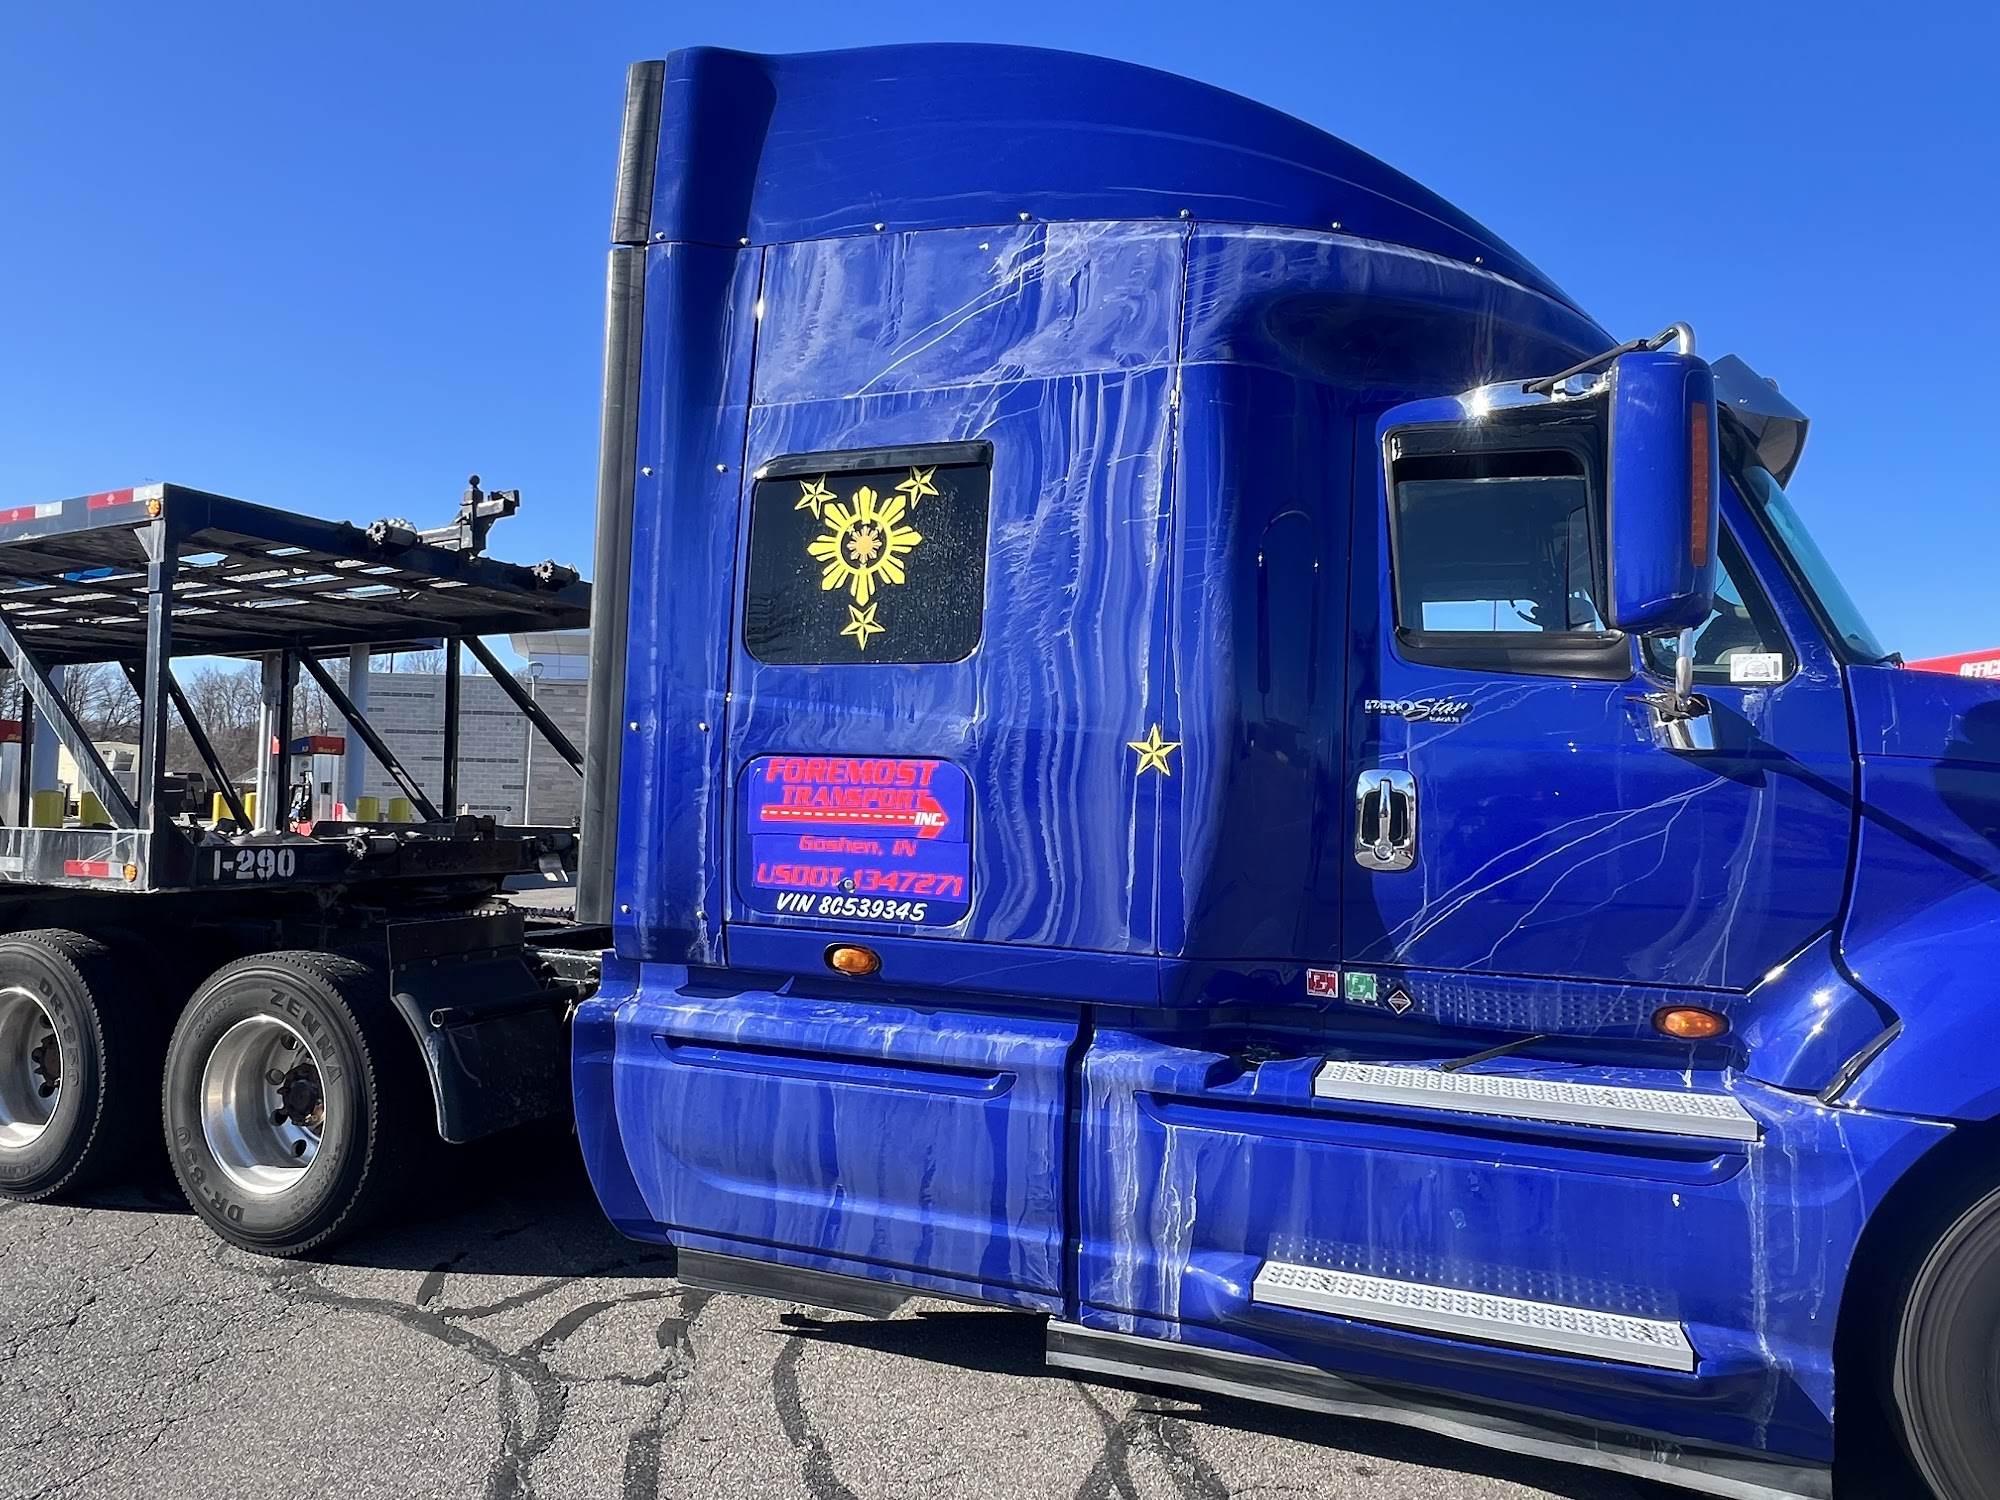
x: 142, y: 576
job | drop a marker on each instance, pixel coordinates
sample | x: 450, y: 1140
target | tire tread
x: 394, y: 1085
x: 130, y: 1035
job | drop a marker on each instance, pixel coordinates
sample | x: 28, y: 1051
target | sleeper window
x: 862, y: 559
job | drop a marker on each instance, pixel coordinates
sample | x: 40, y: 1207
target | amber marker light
x: 853, y: 960
x: 1703, y: 443
x: 1689, y: 1022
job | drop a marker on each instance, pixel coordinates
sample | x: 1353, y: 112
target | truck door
x: 1526, y: 853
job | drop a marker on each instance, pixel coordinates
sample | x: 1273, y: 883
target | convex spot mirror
x: 1662, y: 476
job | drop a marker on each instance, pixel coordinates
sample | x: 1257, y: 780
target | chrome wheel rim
x: 30, y: 1069
x: 262, y: 1108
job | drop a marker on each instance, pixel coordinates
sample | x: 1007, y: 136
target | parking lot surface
x: 505, y: 1341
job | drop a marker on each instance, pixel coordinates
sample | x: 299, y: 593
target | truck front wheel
x: 295, y: 1104
x: 1946, y: 1370
x: 80, y: 1038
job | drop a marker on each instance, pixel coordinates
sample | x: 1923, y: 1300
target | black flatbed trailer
x: 143, y: 576
x: 293, y: 965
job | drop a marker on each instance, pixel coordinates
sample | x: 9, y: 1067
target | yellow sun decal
x: 863, y: 545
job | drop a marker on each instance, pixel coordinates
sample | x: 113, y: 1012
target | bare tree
x: 430, y: 661
x: 103, y: 701
x: 225, y: 698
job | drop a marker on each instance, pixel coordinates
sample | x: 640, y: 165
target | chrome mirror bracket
x: 1682, y: 720
x: 1684, y: 725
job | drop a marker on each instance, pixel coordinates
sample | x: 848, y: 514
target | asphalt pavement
x: 504, y: 1341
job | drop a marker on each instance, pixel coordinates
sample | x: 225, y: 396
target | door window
x: 1491, y: 553
x: 1494, y: 564
x: 1741, y: 642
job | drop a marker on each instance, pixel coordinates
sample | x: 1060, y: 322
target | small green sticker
x: 1361, y: 987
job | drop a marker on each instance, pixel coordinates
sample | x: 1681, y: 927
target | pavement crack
x: 432, y: 1286
x: 815, y: 1462
x: 555, y: 1284
x: 1193, y: 1476
x: 641, y: 1477
x: 510, y: 1477
x: 1112, y: 1470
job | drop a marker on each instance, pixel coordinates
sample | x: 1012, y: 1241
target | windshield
x: 1765, y: 495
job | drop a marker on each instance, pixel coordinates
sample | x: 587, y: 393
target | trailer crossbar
x: 251, y: 579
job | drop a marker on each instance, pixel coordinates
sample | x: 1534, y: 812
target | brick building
x: 505, y: 769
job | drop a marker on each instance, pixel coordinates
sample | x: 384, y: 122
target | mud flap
x: 493, y: 1037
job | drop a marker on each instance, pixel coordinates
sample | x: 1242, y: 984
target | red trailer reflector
x: 100, y: 869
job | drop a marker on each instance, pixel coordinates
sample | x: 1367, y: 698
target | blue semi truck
x: 1181, y: 742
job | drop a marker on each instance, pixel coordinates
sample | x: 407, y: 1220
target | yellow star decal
x: 1153, y: 752
x: 919, y: 486
x: 814, y: 494
x: 861, y: 624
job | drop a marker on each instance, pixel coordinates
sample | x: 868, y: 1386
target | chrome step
x: 1545, y: 1326
x: 1667, y: 1111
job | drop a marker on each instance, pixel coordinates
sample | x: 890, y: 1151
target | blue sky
x: 338, y: 257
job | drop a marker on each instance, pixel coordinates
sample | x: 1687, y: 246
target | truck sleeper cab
x: 1133, y: 803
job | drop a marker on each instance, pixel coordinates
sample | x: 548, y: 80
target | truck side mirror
x: 1662, y: 476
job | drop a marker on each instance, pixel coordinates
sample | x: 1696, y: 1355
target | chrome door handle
x: 1385, y: 820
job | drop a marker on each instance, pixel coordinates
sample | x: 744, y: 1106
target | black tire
x: 101, y: 1076
x: 375, y: 1123
x: 1945, y: 1371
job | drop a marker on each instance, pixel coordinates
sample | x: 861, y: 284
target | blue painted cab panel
x: 1198, y: 1166
x: 1557, y: 840
x: 1926, y: 906
x: 1288, y: 337
x: 1044, y: 342
x: 826, y: 145
x: 699, y: 338
x: 869, y: 1136
x: 1799, y: 1027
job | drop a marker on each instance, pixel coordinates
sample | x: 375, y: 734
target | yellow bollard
x: 250, y: 806
x: 45, y: 810
x: 400, y: 810
x: 367, y: 809
x: 218, y: 808
x: 90, y: 812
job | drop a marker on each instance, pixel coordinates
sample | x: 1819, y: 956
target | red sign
x: 1965, y: 664
x: 851, y: 792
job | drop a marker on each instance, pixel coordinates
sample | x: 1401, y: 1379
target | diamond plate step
x: 1544, y: 1326
x: 1665, y: 1111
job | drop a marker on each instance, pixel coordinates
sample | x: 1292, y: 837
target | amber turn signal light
x: 1689, y: 1022
x: 853, y: 960
x: 1704, y: 501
